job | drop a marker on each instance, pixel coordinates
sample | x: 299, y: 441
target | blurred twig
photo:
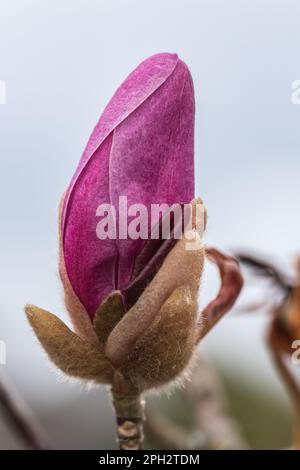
x: 207, y: 397
x: 20, y: 418
x: 168, y: 435
x: 215, y: 429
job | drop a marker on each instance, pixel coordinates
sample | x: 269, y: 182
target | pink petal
x: 142, y: 148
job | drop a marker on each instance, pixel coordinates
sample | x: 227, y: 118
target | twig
x: 169, y: 435
x: 129, y: 409
x: 20, y: 417
x: 207, y: 398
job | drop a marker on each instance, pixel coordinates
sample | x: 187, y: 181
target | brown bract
x: 149, y: 345
x: 154, y: 341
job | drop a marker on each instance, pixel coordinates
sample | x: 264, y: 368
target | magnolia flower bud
x: 141, y: 148
x: 133, y: 301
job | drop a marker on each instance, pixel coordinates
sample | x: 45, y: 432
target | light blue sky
x: 61, y: 61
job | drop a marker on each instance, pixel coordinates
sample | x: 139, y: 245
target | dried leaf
x: 232, y: 283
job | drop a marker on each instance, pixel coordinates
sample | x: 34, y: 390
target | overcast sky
x: 62, y: 60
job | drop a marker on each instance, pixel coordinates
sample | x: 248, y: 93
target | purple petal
x: 142, y: 148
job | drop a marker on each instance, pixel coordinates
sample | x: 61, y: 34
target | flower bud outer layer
x: 142, y: 148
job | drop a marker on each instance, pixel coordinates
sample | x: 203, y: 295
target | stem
x: 129, y: 409
x: 20, y: 417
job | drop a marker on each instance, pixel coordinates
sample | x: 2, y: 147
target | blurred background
x: 61, y: 61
